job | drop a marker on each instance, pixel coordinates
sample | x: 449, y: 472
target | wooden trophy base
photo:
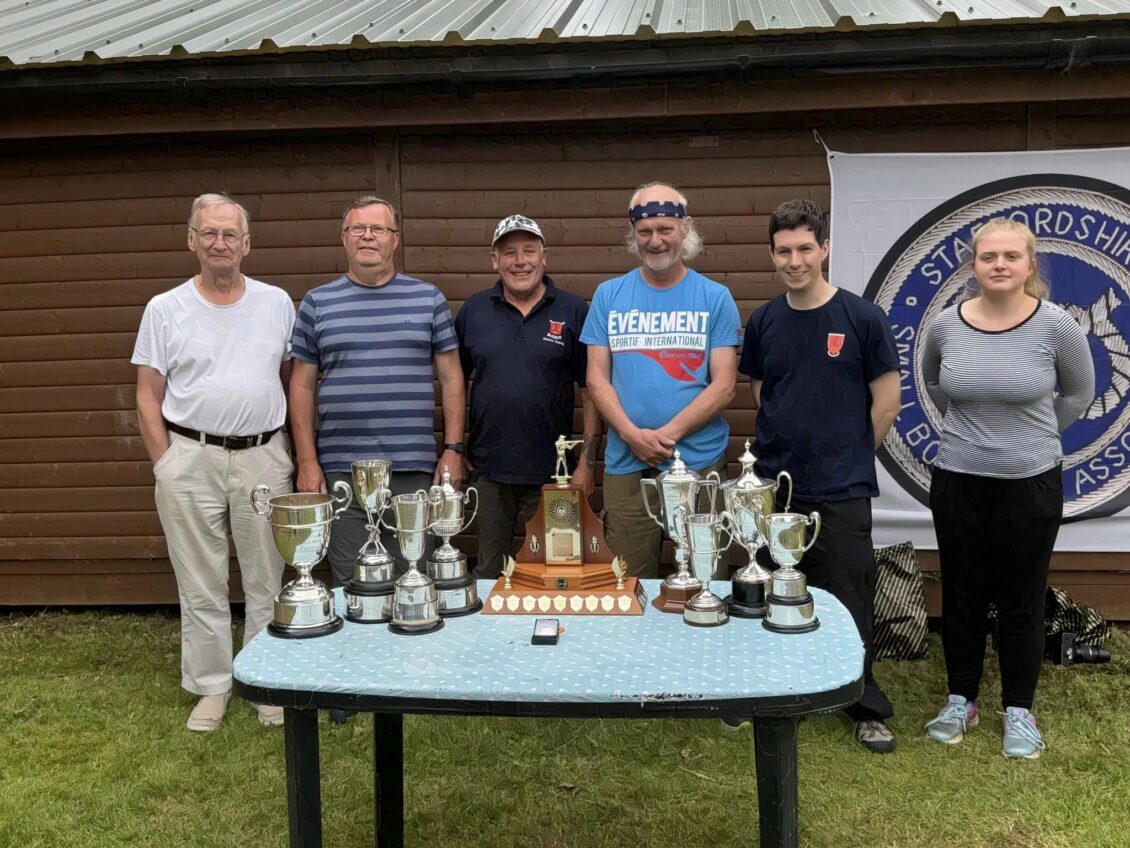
x: 575, y: 600
x: 673, y: 599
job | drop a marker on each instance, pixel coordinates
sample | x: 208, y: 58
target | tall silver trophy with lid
x: 456, y: 591
x: 368, y: 595
x: 790, y: 605
x: 676, y: 487
x: 300, y: 525
x: 748, y: 500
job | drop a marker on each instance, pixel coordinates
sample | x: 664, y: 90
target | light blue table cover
x: 655, y: 658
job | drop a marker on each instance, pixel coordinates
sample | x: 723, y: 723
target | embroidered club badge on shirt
x: 835, y: 344
x: 555, y: 327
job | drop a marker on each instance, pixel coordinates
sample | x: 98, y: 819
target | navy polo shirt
x: 522, y: 371
x: 815, y: 366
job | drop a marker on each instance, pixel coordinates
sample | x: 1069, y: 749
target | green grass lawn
x: 93, y: 752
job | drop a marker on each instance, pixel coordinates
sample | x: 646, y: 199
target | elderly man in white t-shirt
x: 213, y: 355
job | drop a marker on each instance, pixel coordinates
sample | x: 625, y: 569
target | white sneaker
x: 208, y: 713
x: 269, y: 716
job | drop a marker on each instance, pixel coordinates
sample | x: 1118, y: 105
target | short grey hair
x: 692, y: 239
x: 371, y: 200
x: 206, y: 200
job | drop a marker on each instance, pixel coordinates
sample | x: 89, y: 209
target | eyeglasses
x: 359, y: 230
x: 230, y: 237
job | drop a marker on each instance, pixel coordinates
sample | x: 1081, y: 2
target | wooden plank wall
x: 91, y: 231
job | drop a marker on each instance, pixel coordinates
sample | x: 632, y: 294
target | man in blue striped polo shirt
x: 375, y: 337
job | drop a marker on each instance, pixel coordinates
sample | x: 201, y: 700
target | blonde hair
x: 1035, y: 286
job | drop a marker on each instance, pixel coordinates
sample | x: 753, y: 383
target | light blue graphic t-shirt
x: 660, y: 341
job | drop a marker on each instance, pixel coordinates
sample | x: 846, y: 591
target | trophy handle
x: 711, y: 481
x: 645, y: 483
x: 813, y: 518
x: 727, y: 522
x: 434, y: 497
x: 471, y: 490
x: 343, y: 496
x: 789, y: 499
x: 259, y: 497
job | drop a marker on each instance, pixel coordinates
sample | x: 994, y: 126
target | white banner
x: 900, y: 235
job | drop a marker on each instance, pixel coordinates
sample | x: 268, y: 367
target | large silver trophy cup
x: 790, y: 606
x: 300, y: 524
x: 415, y: 607
x: 455, y: 588
x: 368, y: 595
x: 676, y: 488
x: 708, y: 536
x: 748, y: 500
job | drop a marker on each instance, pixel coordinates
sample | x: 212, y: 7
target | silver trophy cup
x: 300, y: 524
x: 708, y: 536
x: 368, y: 595
x: 790, y: 607
x: 748, y: 500
x: 415, y: 606
x: 455, y: 589
x: 677, y: 487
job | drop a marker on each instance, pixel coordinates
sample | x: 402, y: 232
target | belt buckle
x: 235, y: 442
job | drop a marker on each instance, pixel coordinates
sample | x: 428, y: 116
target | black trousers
x: 500, y: 504
x: 995, y: 540
x: 842, y: 562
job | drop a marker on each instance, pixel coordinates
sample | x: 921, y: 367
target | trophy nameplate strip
x: 631, y: 600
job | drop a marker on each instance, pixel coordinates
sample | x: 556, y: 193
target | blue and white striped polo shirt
x: 374, y: 347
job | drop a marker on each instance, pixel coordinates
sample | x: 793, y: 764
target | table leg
x: 303, y: 778
x: 775, y: 755
x: 388, y: 779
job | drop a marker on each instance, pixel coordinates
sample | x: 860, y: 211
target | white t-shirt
x: 220, y: 363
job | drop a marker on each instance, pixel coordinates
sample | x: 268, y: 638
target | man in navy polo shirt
x: 825, y: 377
x: 520, y: 347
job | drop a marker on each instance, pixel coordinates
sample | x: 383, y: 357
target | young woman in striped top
x: 991, y: 365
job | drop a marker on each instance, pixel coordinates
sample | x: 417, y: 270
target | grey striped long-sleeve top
x: 998, y: 390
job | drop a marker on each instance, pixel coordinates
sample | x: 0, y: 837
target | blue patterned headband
x: 657, y: 209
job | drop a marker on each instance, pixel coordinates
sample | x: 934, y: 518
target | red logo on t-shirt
x: 835, y: 344
x: 680, y: 364
x: 555, y: 327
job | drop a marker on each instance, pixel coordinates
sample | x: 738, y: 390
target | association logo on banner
x: 1083, y: 229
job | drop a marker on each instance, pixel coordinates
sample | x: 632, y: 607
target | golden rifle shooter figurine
x: 561, y: 470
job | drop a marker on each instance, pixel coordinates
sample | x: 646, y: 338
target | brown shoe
x: 208, y: 713
x: 269, y: 716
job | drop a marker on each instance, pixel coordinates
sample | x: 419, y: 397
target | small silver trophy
x: 300, y: 525
x: 368, y: 595
x: 748, y: 500
x: 790, y: 607
x: 676, y: 487
x: 704, y: 539
x: 415, y: 607
x: 455, y: 588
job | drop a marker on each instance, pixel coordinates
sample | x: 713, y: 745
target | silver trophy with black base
x: 705, y: 534
x: 300, y: 525
x: 415, y: 607
x: 456, y: 591
x: 748, y: 500
x: 790, y: 606
x: 368, y: 594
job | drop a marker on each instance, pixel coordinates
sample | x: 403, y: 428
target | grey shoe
x: 950, y: 724
x: 1022, y: 739
x: 875, y: 736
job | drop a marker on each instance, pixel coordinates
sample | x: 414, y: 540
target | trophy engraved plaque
x: 564, y: 563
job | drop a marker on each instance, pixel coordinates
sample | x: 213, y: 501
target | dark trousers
x: 500, y: 505
x: 842, y: 562
x: 348, y: 533
x: 995, y: 540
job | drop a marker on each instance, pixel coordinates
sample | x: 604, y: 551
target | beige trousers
x: 203, y: 493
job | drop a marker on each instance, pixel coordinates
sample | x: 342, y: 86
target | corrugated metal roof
x: 38, y: 32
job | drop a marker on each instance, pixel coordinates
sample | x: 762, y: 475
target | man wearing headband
x: 662, y: 366
x: 520, y: 345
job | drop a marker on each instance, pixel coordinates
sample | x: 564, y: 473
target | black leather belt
x: 225, y: 442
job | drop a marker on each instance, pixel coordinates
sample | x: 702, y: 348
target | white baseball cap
x: 516, y: 224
